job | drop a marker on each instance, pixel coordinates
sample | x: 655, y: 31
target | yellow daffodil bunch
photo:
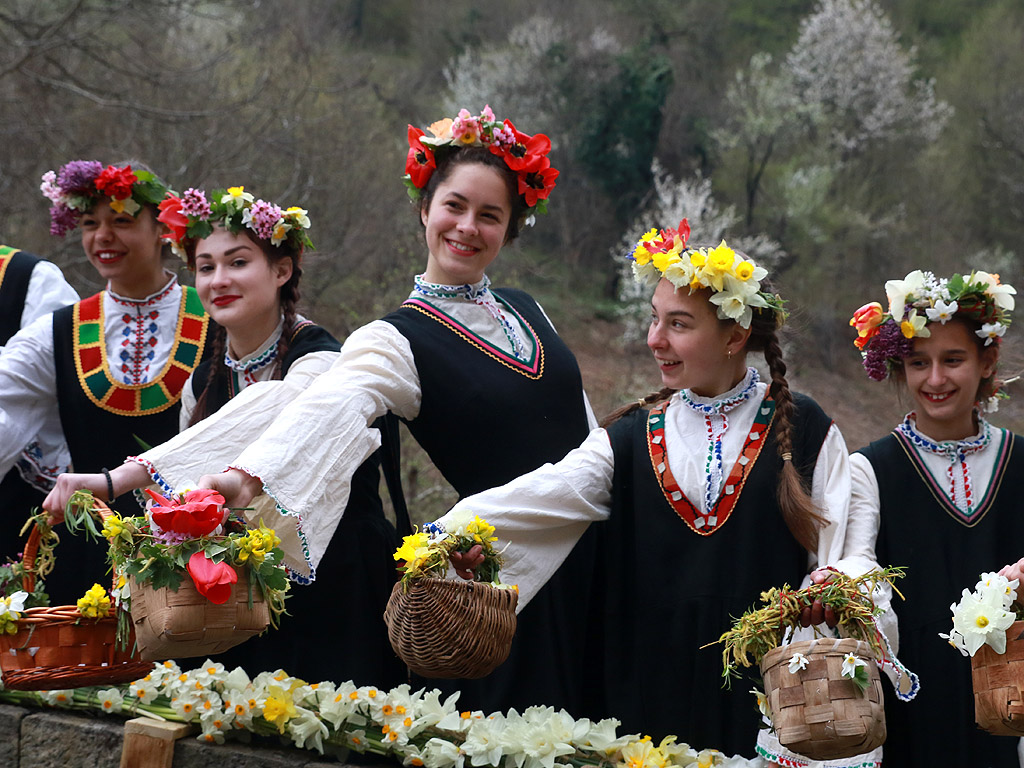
x: 733, y: 279
x: 257, y: 543
x: 94, y: 604
x: 426, y: 552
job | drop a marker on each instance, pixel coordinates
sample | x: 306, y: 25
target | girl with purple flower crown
x: 246, y: 255
x: 114, y: 364
x: 939, y: 492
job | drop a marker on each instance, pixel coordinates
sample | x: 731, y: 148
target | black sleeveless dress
x: 943, y: 551
x: 485, y: 419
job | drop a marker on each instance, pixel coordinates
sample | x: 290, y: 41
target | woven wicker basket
x: 183, y: 624
x: 999, y: 685
x: 55, y: 647
x: 451, y: 629
x: 818, y: 713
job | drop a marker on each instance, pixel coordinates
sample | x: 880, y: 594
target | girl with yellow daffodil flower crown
x: 246, y: 254
x: 940, y: 492
x: 726, y: 486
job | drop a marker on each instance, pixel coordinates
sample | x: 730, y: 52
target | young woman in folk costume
x: 246, y: 255
x: 109, y: 369
x: 939, y: 490
x: 29, y: 288
x: 481, y: 378
x: 727, y: 486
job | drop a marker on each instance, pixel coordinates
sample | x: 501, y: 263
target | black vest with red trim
x: 306, y: 339
x: 486, y: 418
x: 101, y: 418
x: 944, y: 552
x: 667, y: 589
x: 15, y: 272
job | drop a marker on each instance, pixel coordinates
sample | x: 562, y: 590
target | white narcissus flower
x: 1001, y: 294
x: 797, y: 662
x: 483, y: 744
x: 982, y: 621
x: 850, y: 665
x: 110, y: 700
x: 307, y: 730
x: 942, y: 311
x: 995, y: 585
x: 898, y: 290
x: 990, y: 332
x: 762, y: 702
x: 13, y: 605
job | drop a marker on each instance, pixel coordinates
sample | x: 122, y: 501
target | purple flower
x: 261, y: 217
x: 63, y: 220
x: 888, y: 347
x: 194, y: 203
x: 78, y: 176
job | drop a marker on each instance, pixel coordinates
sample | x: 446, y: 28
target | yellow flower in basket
x: 94, y: 604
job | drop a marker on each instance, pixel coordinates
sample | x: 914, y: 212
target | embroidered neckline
x: 160, y: 393
x: 978, y: 509
x: 707, y: 523
x: 532, y: 368
x: 265, y: 355
x: 716, y: 423
x: 153, y: 298
x: 480, y: 294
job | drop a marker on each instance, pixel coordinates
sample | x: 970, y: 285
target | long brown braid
x: 289, y: 299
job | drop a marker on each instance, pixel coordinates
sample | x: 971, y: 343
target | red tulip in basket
x: 199, y: 581
x: 66, y: 646
x: 450, y: 628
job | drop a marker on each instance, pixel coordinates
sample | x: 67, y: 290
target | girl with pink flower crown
x: 707, y: 492
x: 246, y: 255
x: 939, y: 490
x: 480, y: 377
x: 109, y: 370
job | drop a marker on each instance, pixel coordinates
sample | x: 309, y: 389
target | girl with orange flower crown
x: 939, y: 492
x: 480, y: 377
x: 246, y: 255
x: 707, y: 492
x: 114, y: 364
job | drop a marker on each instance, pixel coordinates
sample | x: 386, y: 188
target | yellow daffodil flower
x: 94, y: 604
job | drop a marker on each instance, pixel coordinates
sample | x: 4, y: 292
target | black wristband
x: 110, y: 485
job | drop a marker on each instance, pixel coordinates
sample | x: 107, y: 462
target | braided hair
x: 288, y: 296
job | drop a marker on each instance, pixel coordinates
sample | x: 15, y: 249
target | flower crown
x: 886, y: 338
x: 192, y: 217
x: 526, y: 155
x: 734, y: 280
x: 80, y: 184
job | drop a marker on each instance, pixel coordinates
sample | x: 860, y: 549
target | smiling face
x: 466, y: 224
x: 693, y: 348
x: 126, y: 250
x: 944, y: 373
x: 239, y: 286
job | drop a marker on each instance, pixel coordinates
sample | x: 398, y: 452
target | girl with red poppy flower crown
x: 246, y: 255
x: 480, y: 377
x: 725, y: 486
x: 939, y: 493
x: 109, y: 370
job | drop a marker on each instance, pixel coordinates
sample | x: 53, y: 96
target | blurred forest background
x: 842, y: 142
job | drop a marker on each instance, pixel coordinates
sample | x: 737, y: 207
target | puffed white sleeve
x: 47, y: 291
x: 28, y: 389
x: 306, y: 456
x: 188, y: 404
x: 539, y: 517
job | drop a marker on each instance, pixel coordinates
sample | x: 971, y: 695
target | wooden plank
x: 149, y: 743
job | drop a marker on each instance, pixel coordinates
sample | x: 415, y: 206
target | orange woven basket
x: 56, y: 647
x: 451, y: 628
x: 998, y: 680
x: 183, y: 624
x: 818, y: 713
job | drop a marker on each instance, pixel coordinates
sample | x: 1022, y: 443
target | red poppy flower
x: 214, y: 581
x: 537, y: 185
x: 171, y: 215
x: 116, y: 183
x: 419, y: 163
x: 199, y: 513
x: 528, y: 152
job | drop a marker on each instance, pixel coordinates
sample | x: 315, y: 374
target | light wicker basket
x: 998, y: 680
x: 818, y: 713
x: 451, y: 628
x: 56, y: 647
x: 184, y: 624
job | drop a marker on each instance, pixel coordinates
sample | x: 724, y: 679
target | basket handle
x: 28, y: 560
